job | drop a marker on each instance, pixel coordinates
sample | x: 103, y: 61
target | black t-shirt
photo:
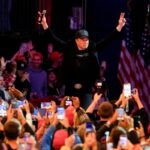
x: 80, y: 66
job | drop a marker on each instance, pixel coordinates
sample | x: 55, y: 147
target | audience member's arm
x: 40, y: 131
x: 15, y: 56
x: 141, y: 111
x: 27, y: 127
x: 94, y: 103
x: 122, y: 102
x: 28, y: 114
x: 10, y: 113
x: 16, y: 93
x: 3, y: 63
x: 127, y: 123
x: 119, y: 101
x: 47, y: 137
x: 137, y: 99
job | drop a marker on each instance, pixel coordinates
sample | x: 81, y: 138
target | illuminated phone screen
x: 127, y: 89
x: 89, y: 127
x: 60, y: 113
x: 120, y: 113
x: 45, y: 105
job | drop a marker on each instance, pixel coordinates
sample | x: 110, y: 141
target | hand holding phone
x: 99, y: 87
x: 21, y: 103
x: 49, y: 114
x: 15, y: 104
x: 68, y: 102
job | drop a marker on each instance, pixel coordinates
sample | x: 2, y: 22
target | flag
x: 132, y: 69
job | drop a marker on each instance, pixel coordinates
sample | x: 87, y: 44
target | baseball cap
x: 21, y: 65
x: 81, y: 33
x: 55, y: 55
x: 59, y: 138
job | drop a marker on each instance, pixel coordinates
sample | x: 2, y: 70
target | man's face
x: 50, y: 48
x: 82, y: 43
x: 36, y: 61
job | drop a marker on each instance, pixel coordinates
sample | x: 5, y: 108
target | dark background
x: 19, y: 21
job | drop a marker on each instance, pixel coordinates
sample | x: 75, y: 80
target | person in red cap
x: 80, y: 63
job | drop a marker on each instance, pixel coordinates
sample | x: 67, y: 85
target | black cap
x: 21, y: 65
x: 81, y: 33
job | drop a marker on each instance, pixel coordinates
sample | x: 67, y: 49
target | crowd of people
x: 66, y: 125
x: 47, y: 102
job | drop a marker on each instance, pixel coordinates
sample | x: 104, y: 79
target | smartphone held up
x: 127, y: 90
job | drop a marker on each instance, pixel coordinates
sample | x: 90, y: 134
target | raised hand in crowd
x: 65, y: 122
x: 69, y: 142
x: 16, y: 93
x: 20, y: 116
x: 121, y: 22
x: 74, y: 100
x: 136, y: 97
x: 94, y: 103
x: 122, y: 101
x: 2, y: 63
x: 42, y: 126
x: 10, y: 113
x: 97, y: 97
x: 42, y: 20
x: 113, y: 118
x: 28, y: 116
x: 54, y: 120
x: 127, y: 122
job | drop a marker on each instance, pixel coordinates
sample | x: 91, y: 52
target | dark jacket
x: 80, y: 66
